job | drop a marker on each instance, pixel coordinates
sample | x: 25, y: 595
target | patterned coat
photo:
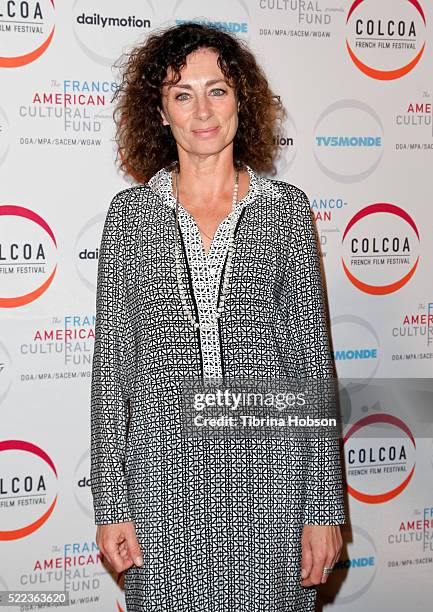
x: 219, y: 520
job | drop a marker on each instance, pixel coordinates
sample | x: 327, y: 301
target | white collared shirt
x: 205, y: 269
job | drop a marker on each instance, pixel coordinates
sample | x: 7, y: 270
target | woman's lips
x: 207, y: 131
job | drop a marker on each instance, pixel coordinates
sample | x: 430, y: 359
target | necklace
x: 227, y: 271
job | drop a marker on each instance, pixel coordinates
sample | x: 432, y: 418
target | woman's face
x: 201, y: 109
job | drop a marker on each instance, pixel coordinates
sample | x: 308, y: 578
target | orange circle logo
x: 394, y: 421
x: 30, y: 19
x: 26, y: 213
x: 384, y: 34
x: 28, y: 447
x: 379, y: 254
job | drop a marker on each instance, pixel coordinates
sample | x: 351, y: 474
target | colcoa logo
x: 27, y: 29
x: 379, y: 460
x: 26, y: 256
x: 25, y: 487
x: 374, y: 254
x: 388, y: 34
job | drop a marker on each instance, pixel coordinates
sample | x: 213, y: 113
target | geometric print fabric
x: 219, y: 520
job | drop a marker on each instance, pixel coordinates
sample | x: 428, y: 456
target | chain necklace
x: 228, y: 268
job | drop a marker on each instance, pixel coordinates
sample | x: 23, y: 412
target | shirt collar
x: 161, y: 184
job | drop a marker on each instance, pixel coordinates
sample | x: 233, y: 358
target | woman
x: 207, y: 269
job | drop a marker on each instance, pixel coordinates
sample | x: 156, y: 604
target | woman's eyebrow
x: 188, y: 86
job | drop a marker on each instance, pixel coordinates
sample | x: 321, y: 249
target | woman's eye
x: 217, y: 91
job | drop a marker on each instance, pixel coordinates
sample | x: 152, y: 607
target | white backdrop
x: 356, y: 79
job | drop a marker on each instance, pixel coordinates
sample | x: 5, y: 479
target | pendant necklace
x: 227, y: 272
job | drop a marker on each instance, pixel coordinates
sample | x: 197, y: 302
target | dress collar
x: 161, y: 184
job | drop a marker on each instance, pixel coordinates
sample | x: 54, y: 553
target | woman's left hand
x: 321, y: 547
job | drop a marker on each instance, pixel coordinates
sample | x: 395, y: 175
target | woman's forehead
x: 197, y: 61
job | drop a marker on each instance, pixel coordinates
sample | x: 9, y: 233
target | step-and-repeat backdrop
x: 356, y: 80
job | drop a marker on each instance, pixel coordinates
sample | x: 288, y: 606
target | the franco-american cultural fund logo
x: 385, y: 40
x: 380, y: 248
x: 380, y: 458
x: 28, y: 256
x: 27, y: 29
x: 28, y: 488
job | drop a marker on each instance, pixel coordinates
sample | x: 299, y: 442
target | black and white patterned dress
x: 218, y: 519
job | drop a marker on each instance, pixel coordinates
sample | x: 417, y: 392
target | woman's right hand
x: 118, y: 543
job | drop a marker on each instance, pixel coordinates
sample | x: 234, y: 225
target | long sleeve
x: 109, y: 389
x: 307, y: 320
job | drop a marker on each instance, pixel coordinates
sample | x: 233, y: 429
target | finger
x: 134, y: 549
x: 333, y: 552
x: 306, y: 559
x: 124, y: 553
x: 329, y: 563
x: 323, y: 549
x: 319, y: 551
x: 114, y: 557
x: 338, y: 544
x: 336, y: 557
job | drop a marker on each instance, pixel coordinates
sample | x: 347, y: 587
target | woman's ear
x: 163, y: 117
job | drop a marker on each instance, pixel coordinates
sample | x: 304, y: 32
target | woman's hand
x: 118, y: 543
x: 321, y: 547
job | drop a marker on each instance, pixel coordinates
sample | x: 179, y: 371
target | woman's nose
x: 203, y: 107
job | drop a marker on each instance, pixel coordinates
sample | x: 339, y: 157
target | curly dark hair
x: 145, y: 145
